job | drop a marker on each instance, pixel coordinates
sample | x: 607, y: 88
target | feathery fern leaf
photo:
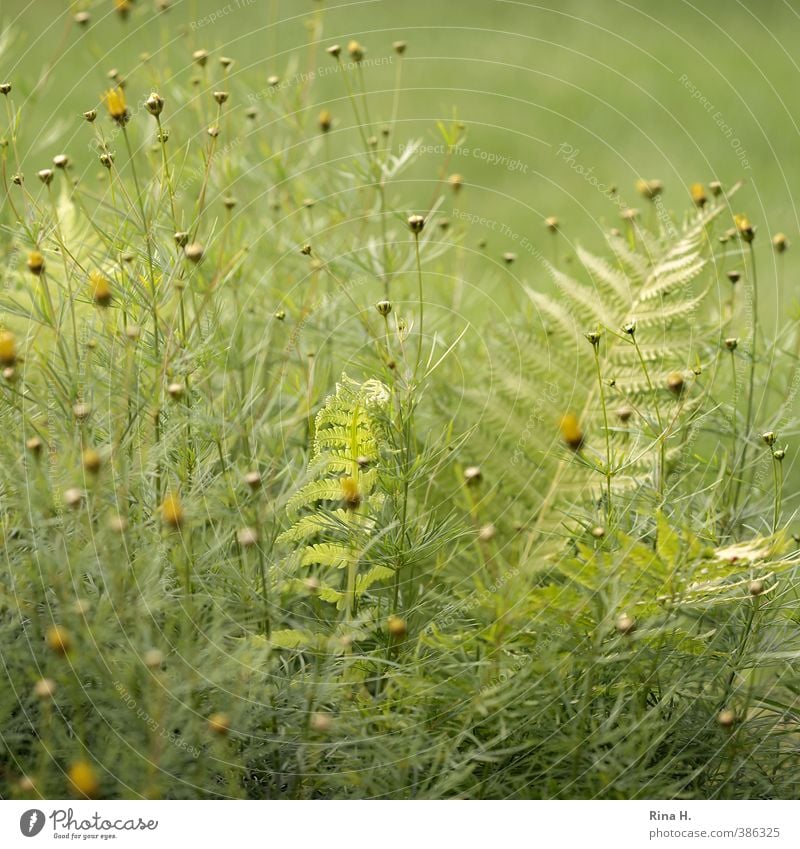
x: 653, y: 285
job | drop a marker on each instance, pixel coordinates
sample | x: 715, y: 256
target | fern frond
x: 542, y: 372
x: 335, y: 514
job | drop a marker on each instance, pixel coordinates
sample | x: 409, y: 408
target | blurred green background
x: 678, y: 91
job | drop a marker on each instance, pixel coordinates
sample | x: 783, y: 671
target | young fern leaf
x: 334, y: 514
x: 650, y: 386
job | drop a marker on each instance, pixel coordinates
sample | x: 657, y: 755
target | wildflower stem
x: 167, y: 175
x: 753, y: 343
x: 777, y: 475
x: 606, y: 428
x: 661, y: 434
x: 421, y: 305
x: 153, y: 305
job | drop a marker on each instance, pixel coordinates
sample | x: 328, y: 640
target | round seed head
x: 698, y: 193
x: 45, y: 689
x: 416, y: 224
x: 456, y: 182
x: 779, y: 454
x: 181, y: 238
x: 176, y: 390
x: 649, y: 189
x: 200, y: 57
x: 780, y: 243
x: 73, y: 498
x: 35, y: 263
x: 325, y: 120
x: 472, y: 475
x: 676, y: 383
x: 321, y: 723
x: 744, y: 228
x: 100, y: 288
x: 58, y: 640
x: 229, y: 202
x: 18, y: 179
x: 92, y: 461
x: 133, y: 332
x: 487, y: 533
x: 34, y: 445
x: 221, y: 96
x: 82, y: 775
x: 219, y: 723
x: 8, y: 348
x: 399, y: 47
x: 61, y: 161
x: 106, y: 160
x: 629, y: 214
x: 334, y: 50
x: 355, y: 50
x: 598, y: 532
x: 154, y: 104
x: 383, y: 307
x: 247, y: 537
x: 90, y: 115
x: 734, y: 276
x: 731, y: 343
x: 5, y: 88
x: 81, y: 411
x: 251, y: 112
x: 351, y: 495
x: 571, y: 431
x: 397, y: 626
x: 509, y: 257
x: 715, y: 187
x: 625, y: 624
x: 253, y: 480
x: 193, y: 252
x: 45, y: 175
x: 172, y: 514
x: 280, y: 315
x: 726, y: 718
x: 226, y: 62
x: 770, y: 438
x: 154, y: 659
x: 756, y: 588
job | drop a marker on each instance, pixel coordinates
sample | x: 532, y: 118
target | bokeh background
x: 560, y: 101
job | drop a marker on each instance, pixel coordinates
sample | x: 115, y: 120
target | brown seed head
x: 58, y: 640
x: 219, y: 723
x: 416, y: 223
x: 397, y: 626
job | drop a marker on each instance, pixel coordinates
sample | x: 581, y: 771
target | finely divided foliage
x: 271, y: 526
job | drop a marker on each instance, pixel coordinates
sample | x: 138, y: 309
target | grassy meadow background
x: 505, y: 559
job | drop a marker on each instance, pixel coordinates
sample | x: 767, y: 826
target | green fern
x: 651, y: 283
x: 334, y: 515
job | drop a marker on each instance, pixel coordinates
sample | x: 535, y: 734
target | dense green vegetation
x: 376, y: 424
